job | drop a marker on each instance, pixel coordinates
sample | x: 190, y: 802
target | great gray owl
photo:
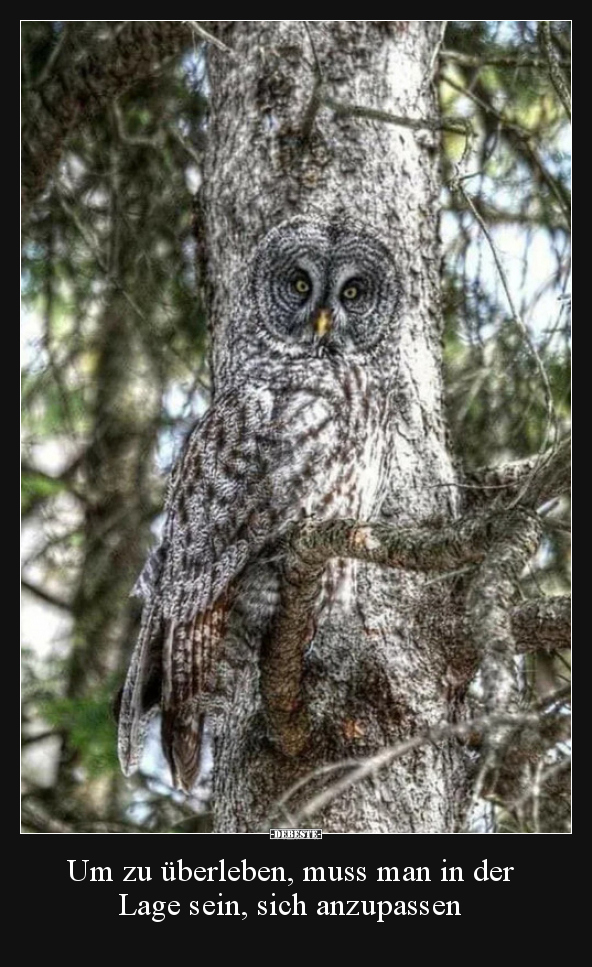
x: 298, y: 427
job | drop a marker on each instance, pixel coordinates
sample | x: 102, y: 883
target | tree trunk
x: 116, y: 530
x: 283, y: 140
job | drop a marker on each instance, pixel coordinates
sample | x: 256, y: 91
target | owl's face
x: 325, y: 287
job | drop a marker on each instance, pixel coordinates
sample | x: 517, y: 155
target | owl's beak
x: 322, y: 323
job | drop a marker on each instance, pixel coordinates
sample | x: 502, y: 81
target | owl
x: 298, y: 428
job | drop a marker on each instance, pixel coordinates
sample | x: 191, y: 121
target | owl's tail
x: 174, y: 669
x: 182, y: 735
x: 190, y: 663
x: 140, y: 696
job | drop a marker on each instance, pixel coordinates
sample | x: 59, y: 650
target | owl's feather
x: 225, y: 504
x: 190, y: 660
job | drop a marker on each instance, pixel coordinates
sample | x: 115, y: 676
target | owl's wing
x: 248, y: 471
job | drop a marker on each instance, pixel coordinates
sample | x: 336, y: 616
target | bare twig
x: 313, y: 47
x: 209, y: 38
x: 546, y: 475
x: 123, y: 135
x: 544, y: 775
x: 187, y: 146
x: 519, y: 61
x: 556, y: 74
x: 429, y: 75
x: 316, y: 99
x: 321, y: 99
x: 501, y: 216
x: 313, y: 108
x: 94, y: 247
x: 46, y: 596
x: 51, y: 60
x: 29, y: 740
x: 457, y: 125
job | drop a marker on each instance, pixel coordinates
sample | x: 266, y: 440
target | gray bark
x: 275, y: 150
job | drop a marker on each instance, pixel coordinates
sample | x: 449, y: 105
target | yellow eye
x: 350, y: 293
x: 301, y: 286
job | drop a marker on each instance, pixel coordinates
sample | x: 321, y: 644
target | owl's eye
x: 351, y: 292
x: 301, y: 285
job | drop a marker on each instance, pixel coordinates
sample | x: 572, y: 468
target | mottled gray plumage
x: 298, y: 427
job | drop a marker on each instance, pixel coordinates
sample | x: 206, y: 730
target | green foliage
x: 36, y: 488
x: 90, y: 726
x: 516, y: 174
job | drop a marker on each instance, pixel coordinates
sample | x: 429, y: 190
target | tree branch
x: 46, y: 596
x: 536, y: 479
x: 114, y: 64
x: 489, y: 601
x: 208, y: 37
x: 38, y: 820
x: 543, y: 624
x: 308, y: 548
x: 356, y: 771
x: 457, y: 125
x: 503, y: 543
x: 424, y: 547
x: 282, y: 663
x: 539, y: 624
x: 29, y: 740
x: 517, y: 61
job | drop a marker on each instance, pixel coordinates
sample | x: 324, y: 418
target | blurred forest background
x: 115, y: 368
